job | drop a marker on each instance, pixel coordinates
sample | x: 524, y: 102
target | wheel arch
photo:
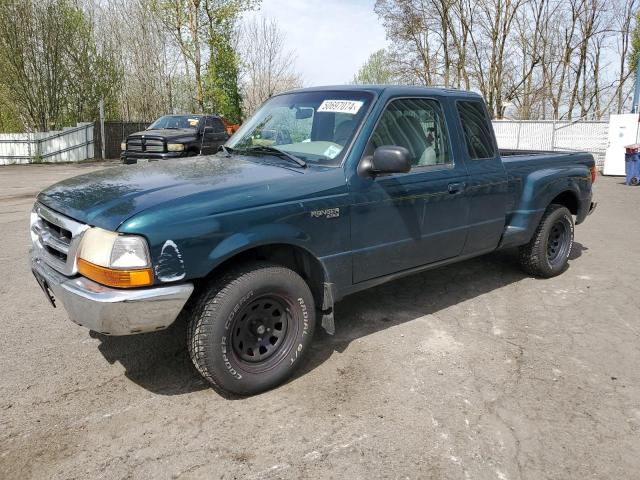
x: 568, y: 199
x: 289, y: 255
x: 541, y: 189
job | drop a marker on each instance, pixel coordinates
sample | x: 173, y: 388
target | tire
x: 547, y: 254
x: 251, y: 327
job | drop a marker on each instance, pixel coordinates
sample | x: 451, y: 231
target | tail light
x: 594, y: 173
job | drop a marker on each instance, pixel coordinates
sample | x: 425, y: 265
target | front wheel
x: 251, y: 327
x: 547, y: 254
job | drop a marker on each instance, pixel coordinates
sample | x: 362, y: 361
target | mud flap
x: 326, y: 312
x: 327, y: 322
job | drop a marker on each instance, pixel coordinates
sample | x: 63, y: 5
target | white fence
x: 76, y: 143
x: 71, y: 144
x: 549, y: 135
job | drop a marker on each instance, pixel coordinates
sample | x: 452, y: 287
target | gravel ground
x: 472, y: 371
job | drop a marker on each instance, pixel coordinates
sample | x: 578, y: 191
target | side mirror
x: 386, y: 159
x: 206, y: 130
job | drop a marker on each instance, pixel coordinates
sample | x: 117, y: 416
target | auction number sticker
x: 341, y: 106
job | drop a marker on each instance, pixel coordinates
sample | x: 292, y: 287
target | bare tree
x: 148, y: 62
x: 186, y: 25
x: 267, y: 67
x: 623, y: 35
x: 545, y: 57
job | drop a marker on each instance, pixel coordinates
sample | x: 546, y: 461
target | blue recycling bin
x: 632, y: 168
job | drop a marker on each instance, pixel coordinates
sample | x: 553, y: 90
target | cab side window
x: 417, y: 124
x: 218, y: 126
x: 477, y: 133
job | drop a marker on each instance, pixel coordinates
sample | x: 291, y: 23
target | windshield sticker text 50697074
x: 341, y: 106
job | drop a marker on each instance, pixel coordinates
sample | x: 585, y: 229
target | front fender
x: 258, y: 236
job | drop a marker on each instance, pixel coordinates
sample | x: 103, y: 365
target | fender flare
x: 542, y: 186
x: 539, y: 189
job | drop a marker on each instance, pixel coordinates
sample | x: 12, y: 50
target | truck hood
x: 109, y: 197
x: 167, y: 133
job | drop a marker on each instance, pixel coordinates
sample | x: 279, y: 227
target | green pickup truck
x: 322, y: 193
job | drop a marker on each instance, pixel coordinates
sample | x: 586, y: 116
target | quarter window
x: 477, y: 133
x: 417, y: 124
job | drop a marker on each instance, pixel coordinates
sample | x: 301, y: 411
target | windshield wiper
x: 280, y: 153
x: 226, y: 150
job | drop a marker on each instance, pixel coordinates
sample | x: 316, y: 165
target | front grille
x: 143, y: 144
x: 134, y: 144
x: 56, y: 238
x: 153, y: 145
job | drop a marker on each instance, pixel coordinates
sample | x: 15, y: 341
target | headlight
x: 115, y: 260
x: 175, y: 147
x: 123, y: 146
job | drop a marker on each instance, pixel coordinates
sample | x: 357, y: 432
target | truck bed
x: 525, y: 168
x: 518, y: 163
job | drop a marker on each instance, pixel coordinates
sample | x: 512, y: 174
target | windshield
x: 176, y: 121
x: 316, y: 127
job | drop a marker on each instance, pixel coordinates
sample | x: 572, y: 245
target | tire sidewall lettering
x: 237, y: 307
x: 305, y: 316
x: 305, y: 329
x: 224, y: 344
x: 571, y: 228
x: 225, y: 358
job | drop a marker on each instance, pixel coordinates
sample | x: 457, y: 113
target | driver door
x: 406, y: 220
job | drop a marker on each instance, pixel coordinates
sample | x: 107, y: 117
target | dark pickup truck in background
x: 322, y: 193
x: 175, y: 136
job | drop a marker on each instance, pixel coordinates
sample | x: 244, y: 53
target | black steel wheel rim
x: 260, y: 329
x: 558, y: 243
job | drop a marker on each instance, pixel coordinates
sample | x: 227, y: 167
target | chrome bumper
x: 113, y: 311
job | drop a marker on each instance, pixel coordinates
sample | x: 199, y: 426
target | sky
x: 332, y: 38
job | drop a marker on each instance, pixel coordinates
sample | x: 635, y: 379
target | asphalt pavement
x: 472, y: 371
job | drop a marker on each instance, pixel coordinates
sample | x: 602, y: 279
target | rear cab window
x: 476, y: 129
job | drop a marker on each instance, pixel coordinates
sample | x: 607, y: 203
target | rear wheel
x: 251, y: 328
x: 547, y: 254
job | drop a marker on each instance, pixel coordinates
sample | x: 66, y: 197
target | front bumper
x: 133, y: 157
x: 113, y: 311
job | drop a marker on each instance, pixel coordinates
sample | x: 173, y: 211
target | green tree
x: 634, y: 54
x: 222, y: 94
x: 222, y: 90
x: 376, y: 70
x: 9, y: 117
x: 205, y: 31
x: 50, y: 66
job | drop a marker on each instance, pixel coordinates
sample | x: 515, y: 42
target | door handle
x: 456, y: 187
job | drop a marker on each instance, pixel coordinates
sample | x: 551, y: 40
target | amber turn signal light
x: 115, y: 278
